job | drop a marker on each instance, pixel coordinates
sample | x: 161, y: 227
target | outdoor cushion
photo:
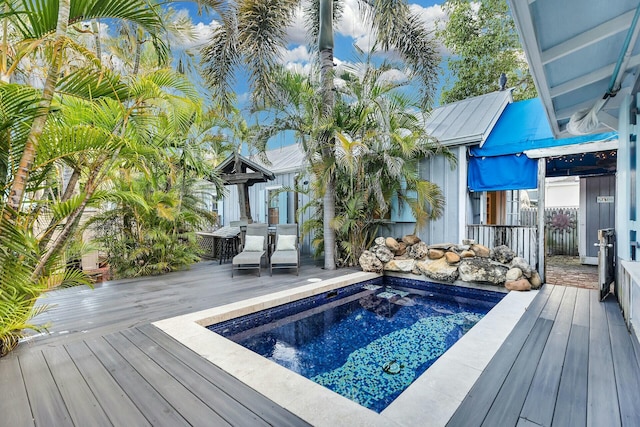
x: 286, y: 243
x: 254, y: 243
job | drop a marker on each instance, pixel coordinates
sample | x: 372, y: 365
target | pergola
x: 242, y: 172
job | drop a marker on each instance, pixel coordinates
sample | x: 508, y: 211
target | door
x: 599, y: 209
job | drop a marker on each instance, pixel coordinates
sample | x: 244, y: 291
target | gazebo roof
x: 243, y: 171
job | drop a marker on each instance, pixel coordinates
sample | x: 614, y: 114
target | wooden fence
x: 561, y: 229
x: 522, y: 240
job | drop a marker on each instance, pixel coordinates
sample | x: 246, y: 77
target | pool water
x: 367, y: 342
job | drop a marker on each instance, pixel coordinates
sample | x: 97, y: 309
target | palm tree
x: 254, y: 33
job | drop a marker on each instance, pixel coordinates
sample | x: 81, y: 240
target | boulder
x: 436, y: 253
x: 418, y: 266
x: 469, y: 242
x: 418, y: 251
x: 482, y: 270
x: 503, y: 254
x: 383, y: 253
x: 467, y: 254
x: 400, y: 265
x: 402, y: 248
x: 522, y: 264
x: 411, y: 239
x: 439, y: 270
x: 513, y: 274
x: 535, y: 280
x: 480, y: 250
x: 379, y: 241
x: 518, y: 285
x: 452, y: 257
x: 460, y: 248
x: 392, y: 244
x: 370, y: 262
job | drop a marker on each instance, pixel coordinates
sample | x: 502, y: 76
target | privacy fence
x: 561, y: 229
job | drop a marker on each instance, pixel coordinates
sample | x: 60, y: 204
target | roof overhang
x: 573, y: 48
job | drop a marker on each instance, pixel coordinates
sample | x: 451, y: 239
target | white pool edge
x: 431, y: 400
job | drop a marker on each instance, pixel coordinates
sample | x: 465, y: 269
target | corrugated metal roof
x: 468, y: 121
x: 285, y: 159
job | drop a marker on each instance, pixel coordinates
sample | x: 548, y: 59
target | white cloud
x: 297, y: 54
x: 297, y: 32
x: 430, y: 15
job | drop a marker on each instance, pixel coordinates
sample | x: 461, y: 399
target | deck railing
x: 522, y: 240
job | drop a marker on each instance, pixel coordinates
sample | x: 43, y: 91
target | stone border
x: 430, y: 400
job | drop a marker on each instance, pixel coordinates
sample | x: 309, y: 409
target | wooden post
x: 243, y: 200
x: 542, y: 173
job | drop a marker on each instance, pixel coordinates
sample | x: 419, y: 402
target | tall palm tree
x: 255, y: 32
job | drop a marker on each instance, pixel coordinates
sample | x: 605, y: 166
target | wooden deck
x: 570, y: 361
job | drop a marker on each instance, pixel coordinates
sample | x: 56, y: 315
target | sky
x: 350, y: 31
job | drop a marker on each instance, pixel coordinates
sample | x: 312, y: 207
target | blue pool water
x: 367, y: 342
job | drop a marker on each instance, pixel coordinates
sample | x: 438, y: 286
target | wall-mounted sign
x: 605, y: 199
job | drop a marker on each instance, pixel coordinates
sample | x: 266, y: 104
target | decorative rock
x: 402, y: 248
x: 480, y: 250
x: 418, y: 251
x: 503, y: 254
x: 482, y: 270
x: 418, y: 266
x: 535, y: 280
x: 370, y: 262
x: 522, y: 264
x: 383, y: 253
x: 518, y: 285
x: 439, y: 270
x: 392, y: 244
x: 400, y: 265
x: 467, y: 254
x: 379, y: 241
x: 513, y: 274
x: 442, y: 246
x: 436, y: 253
x: 452, y: 257
x: 469, y: 242
x: 461, y: 248
x: 411, y: 239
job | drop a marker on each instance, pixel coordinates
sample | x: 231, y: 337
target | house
x: 585, y: 66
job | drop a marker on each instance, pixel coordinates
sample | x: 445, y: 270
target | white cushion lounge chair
x: 287, y: 251
x: 253, y: 249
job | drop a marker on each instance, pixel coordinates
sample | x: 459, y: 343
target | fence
x: 522, y: 240
x: 561, y: 229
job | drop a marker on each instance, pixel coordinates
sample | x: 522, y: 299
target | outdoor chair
x: 287, y: 250
x: 253, y: 249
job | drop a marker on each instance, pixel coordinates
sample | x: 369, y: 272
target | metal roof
x: 282, y: 160
x: 573, y: 48
x: 468, y: 121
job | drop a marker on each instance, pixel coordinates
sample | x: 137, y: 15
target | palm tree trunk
x: 95, y: 27
x: 325, y: 45
x: 68, y: 192
x: 19, y: 183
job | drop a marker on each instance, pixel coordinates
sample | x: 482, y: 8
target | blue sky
x: 350, y: 31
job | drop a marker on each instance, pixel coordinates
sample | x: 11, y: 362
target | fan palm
x: 254, y: 33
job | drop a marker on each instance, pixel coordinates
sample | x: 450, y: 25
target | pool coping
x: 430, y: 400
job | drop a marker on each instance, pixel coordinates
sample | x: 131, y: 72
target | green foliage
x: 483, y: 42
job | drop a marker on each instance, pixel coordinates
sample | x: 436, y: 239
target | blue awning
x: 498, y: 173
x: 499, y: 164
x: 523, y: 126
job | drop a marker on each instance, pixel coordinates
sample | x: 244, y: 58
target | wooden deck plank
x: 82, y: 405
x: 478, y: 401
x: 627, y: 371
x: 229, y: 409
x: 572, y: 391
x: 115, y: 402
x: 192, y: 409
x: 256, y: 402
x: 146, y: 398
x: 602, y: 395
x: 46, y: 402
x: 541, y: 398
x: 14, y: 404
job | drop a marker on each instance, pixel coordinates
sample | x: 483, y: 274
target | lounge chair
x: 253, y: 249
x: 287, y: 250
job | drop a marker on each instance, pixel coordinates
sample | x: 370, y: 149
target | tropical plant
x: 483, y: 42
x: 254, y: 31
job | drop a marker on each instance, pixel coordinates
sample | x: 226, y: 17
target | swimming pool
x: 368, y: 341
x: 430, y: 400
